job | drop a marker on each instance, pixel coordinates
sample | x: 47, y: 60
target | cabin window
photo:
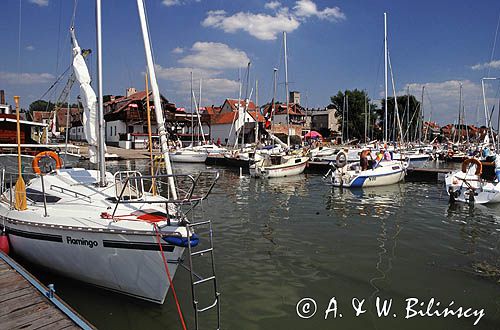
x: 395, y: 167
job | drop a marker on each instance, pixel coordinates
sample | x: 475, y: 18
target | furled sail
x: 88, y: 98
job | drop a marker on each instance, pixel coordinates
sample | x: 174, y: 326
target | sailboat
x: 271, y: 165
x: 381, y: 172
x: 101, y: 228
x: 191, y: 154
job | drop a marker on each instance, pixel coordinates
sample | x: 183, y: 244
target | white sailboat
x: 103, y: 229
x: 383, y: 172
x: 282, y: 164
x: 191, y: 154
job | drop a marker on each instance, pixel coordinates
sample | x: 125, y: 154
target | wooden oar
x: 20, y: 189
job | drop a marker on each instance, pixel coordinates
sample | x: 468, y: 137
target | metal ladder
x: 197, y: 279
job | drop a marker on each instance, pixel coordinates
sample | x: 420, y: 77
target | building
x: 224, y: 122
x: 324, y: 120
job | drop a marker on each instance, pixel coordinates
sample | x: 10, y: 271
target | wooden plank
x: 56, y: 325
x: 23, y: 306
x: 19, y: 303
x: 4, y: 297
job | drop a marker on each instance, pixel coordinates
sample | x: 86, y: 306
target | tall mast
x: 347, y: 116
x: 385, y: 77
x: 100, y: 112
x: 162, y: 132
x: 421, y: 116
x: 366, y: 120
x: 273, y: 106
x: 257, y: 111
x: 460, y: 118
x: 192, y: 112
x: 198, y: 116
x: 286, y: 91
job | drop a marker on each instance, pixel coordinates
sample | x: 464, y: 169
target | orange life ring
x: 479, y: 166
x: 35, y: 163
x: 450, y: 153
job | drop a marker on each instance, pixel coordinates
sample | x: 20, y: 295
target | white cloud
x: 41, y: 3
x: 26, y: 78
x: 208, y: 61
x: 169, y: 3
x: 441, y: 100
x: 178, y: 50
x: 491, y: 65
x: 30, y: 48
x: 261, y: 26
x: 267, y: 27
x: 272, y: 5
x: 215, y: 55
x: 307, y: 8
x: 180, y: 74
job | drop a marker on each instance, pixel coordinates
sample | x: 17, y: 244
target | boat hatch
x: 37, y: 196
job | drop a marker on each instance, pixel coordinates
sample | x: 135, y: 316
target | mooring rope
x: 179, y: 311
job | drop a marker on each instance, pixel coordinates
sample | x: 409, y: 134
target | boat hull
x: 279, y: 171
x: 188, y: 157
x: 382, y: 176
x: 130, y: 264
x: 483, y: 192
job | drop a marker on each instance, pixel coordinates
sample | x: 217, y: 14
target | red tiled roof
x: 39, y: 116
x: 280, y: 109
x: 233, y: 104
x: 229, y: 117
x: 212, y: 110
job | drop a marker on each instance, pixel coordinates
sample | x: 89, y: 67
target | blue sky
x: 332, y: 45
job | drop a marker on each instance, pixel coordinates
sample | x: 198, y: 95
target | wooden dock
x: 26, y: 303
x: 426, y: 174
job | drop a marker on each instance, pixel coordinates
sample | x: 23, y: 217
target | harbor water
x: 279, y: 241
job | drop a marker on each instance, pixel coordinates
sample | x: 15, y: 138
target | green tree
x: 41, y: 105
x: 350, y: 110
x: 409, y: 117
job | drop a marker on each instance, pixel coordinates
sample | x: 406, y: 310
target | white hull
x: 294, y: 166
x: 79, y: 239
x: 387, y: 173
x: 470, y: 188
x: 188, y: 156
x: 128, y: 264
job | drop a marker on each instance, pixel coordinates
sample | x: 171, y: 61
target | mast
x: 257, y: 111
x: 100, y: 112
x: 156, y: 97
x: 192, y: 112
x: 366, y: 120
x: 420, y: 129
x: 273, y: 106
x: 347, y: 116
x: 385, y: 76
x: 286, y: 88
x: 460, y: 118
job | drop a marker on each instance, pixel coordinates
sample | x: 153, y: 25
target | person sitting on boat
x: 486, y: 152
x: 497, y: 167
x: 378, y: 158
x: 363, y: 158
x: 387, y: 155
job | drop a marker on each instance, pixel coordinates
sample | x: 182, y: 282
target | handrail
x: 77, y: 194
x: 186, y: 200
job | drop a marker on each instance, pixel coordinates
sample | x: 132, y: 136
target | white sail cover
x: 240, y: 121
x: 88, y: 98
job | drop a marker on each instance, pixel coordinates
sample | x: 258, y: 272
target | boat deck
x: 24, y: 306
